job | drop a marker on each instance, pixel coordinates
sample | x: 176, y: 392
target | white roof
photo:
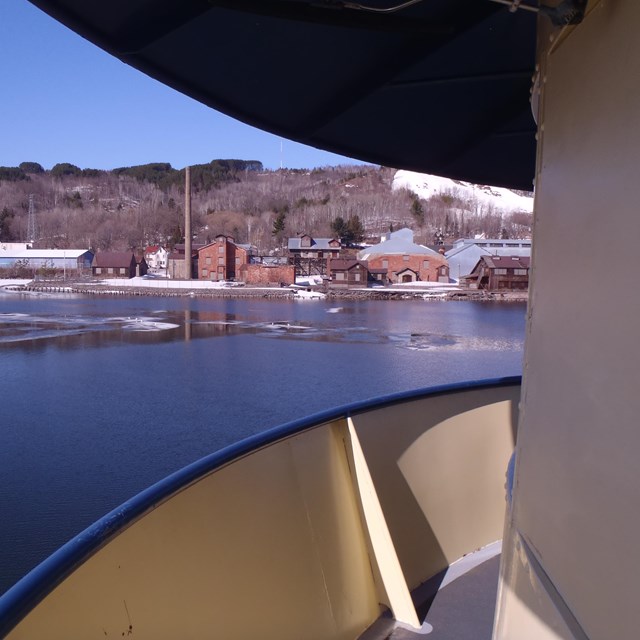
x: 43, y: 253
x: 400, y: 242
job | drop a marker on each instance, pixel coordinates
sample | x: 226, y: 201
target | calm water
x: 102, y: 397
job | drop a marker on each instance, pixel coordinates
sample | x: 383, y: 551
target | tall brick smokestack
x: 187, y: 223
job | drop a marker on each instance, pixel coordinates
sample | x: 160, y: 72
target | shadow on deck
x: 456, y: 604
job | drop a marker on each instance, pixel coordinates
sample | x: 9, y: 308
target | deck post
x: 385, y: 553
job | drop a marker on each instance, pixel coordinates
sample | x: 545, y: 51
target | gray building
x: 466, y: 253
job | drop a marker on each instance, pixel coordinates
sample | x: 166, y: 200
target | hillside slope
x: 132, y: 207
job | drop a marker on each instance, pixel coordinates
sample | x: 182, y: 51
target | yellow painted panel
x: 439, y: 468
x: 264, y: 547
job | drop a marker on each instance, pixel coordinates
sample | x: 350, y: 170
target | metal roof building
x: 466, y: 253
x: 315, y: 244
x: 399, y: 242
x: 53, y: 258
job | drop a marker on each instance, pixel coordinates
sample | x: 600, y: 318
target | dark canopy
x: 440, y: 86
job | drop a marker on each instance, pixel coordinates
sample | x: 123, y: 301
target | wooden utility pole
x: 187, y: 223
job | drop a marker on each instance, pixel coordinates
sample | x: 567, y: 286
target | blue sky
x: 64, y: 100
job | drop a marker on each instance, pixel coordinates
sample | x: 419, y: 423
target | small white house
x: 156, y: 257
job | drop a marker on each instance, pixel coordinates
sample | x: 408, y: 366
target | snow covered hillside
x: 478, y: 197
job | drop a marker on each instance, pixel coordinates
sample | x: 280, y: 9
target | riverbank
x: 168, y: 288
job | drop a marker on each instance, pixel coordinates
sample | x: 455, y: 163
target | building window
x: 123, y: 270
x: 109, y: 269
x: 204, y: 273
x: 237, y: 261
x: 340, y: 275
x: 220, y: 260
x: 425, y: 264
x: 221, y: 248
x: 385, y: 264
x: 357, y: 277
x: 208, y: 259
x: 405, y: 258
x: 500, y: 272
x: 520, y: 272
x: 98, y: 270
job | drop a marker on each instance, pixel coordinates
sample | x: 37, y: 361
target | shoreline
x: 281, y: 293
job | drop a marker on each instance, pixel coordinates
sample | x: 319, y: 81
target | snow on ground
x: 301, y: 294
x: 422, y: 284
x: 14, y: 281
x: 425, y: 186
x: 154, y: 283
x: 309, y: 281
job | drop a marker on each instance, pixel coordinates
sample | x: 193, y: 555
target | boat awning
x: 439, y: 86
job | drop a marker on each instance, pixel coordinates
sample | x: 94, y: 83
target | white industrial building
x: 59, y: 259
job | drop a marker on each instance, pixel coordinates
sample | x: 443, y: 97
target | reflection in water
x: 73, y: 331
x: 187, y: 325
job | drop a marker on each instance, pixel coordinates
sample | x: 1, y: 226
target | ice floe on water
x: 147, y: 324
x: 440, y: 342
x: 21, y: 327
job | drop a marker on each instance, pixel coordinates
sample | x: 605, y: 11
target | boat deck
x: 457, y: 604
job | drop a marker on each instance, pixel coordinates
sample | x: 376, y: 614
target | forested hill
x: 133, y: 207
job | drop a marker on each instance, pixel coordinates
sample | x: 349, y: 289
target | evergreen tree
x: 339, y: 227
x: 417, y: 211
x: 279, y: 224
x: 350, y: 231
x: 6, y: 216
x: 31, y: 167
x: 65, y: 169
x: 13, y: 174
x: 355, y: 229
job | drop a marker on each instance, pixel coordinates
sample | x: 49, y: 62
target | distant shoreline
x: 281, y: 293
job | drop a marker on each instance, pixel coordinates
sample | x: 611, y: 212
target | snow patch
x: 479, y: 196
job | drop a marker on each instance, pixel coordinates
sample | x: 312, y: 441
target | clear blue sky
x: 64, y: 100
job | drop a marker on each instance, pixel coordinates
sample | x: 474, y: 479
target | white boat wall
x: 311, y: 530
x: 570, y: 555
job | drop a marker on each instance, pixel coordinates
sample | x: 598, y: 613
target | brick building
x: 222, y: 259
x: 405, y: 261
x: 267, y: 274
